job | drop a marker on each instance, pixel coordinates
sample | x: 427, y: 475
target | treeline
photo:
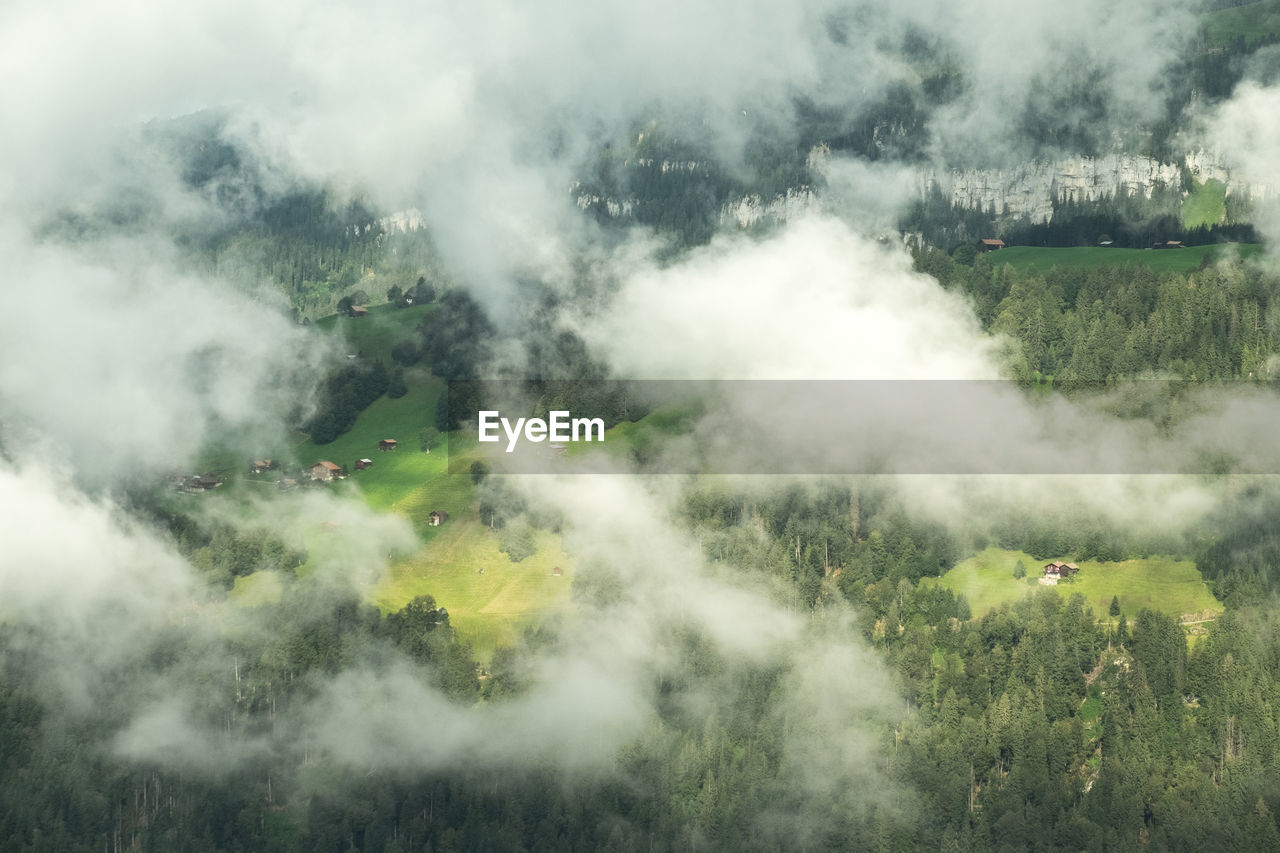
x: 1041, y: 725
x: 64, y: 788
x: 1105, y: 323
x: 1128, y: 220
x: 678, y: 186
x: 1242, y: 558
x: 345, y: 394
x: 554, y: 369
x: 312, y: 247
x: 1039, y: 729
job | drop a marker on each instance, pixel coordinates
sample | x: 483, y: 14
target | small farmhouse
x: 324, y: 470
x: 987, y: 244
x: 437, y: 517
x: 387, y: 444
x: 357, y: 311
x: 1053, y: 572
x: 361, y: 464
x: 257, y: 466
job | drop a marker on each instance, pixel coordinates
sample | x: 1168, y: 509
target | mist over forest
x: 262, y: 588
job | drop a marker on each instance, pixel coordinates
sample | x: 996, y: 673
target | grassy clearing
x: 1158, y: 583
x: 1161, y: 260
x: 373, y: 336
x: 396, y: 474
x: 1253, y: 21
x: 488, y: 608
x: 489, y: 598
x: 1206, y: 206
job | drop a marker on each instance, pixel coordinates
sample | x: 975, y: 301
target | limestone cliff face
x: 749, y: 210
x: 1030, y: 189
x: 742, y: 212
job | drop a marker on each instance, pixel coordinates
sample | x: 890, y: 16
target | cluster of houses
x: 323, y: 471
x: 1054, y: 572
x: 326, y: 471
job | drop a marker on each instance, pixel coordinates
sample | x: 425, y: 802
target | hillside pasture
x: 372, y: 337
x: 489, y: 598
x: 1182, y: 260
x: 1170, y: 586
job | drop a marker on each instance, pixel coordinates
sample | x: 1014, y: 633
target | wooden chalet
x: 357, y: 311
x: 1056, y: 571
x: 361, y: 464
x: 387, y: 444
x: 324, y: 470
x: 988, y: 244
x: 257, y: 466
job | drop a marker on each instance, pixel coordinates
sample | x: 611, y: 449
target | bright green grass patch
x: 257, y: 589
x: 489, y: 608
x: 1161, y: 260
x: 1206, y: 206
x: 1157, y: 583
x: 1253, y: 21
x: 987, y: 580
x: 405, y: 480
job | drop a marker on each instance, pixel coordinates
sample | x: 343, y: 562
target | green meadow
x: 373, y: 336
x: 489, y: 598
x: 1206, y: 206
x: 1156, y: 583
x: 397, y: 478
x: 1161, y: 260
